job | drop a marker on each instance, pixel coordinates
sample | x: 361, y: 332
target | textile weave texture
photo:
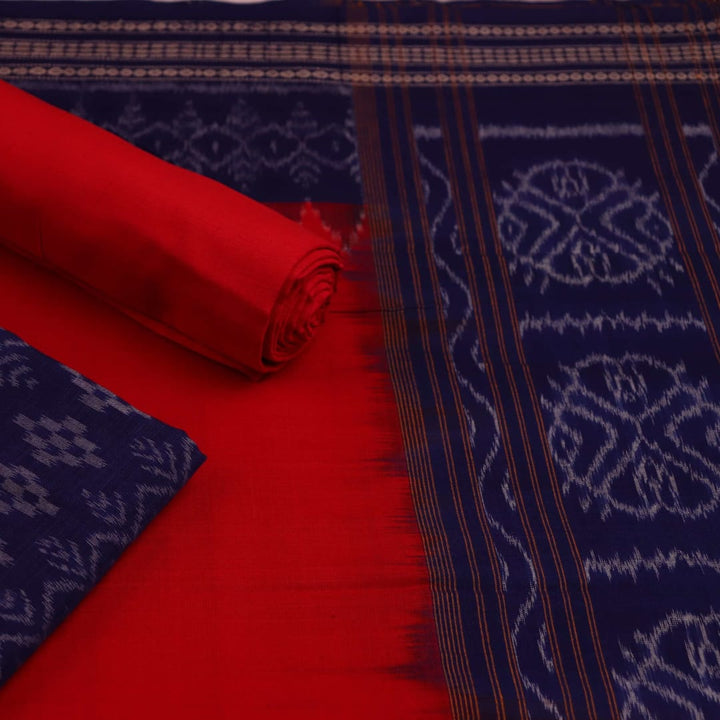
x: 546, y: 220
x: 81, y: 474
x: 543, y: 192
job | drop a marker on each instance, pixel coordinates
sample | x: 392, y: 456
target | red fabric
x: 287, y: 579
x: 184, y: 255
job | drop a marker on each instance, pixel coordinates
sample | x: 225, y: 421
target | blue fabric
x: 274, y: 143
x: 546, y: 222
x: 81, y: 474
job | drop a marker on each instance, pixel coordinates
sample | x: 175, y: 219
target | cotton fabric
x: 190, y: 258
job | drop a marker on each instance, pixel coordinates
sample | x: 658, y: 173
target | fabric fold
x: 82, y: 473
x: 186, y: 256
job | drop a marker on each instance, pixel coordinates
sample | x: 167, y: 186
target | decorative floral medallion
x: 673, y: 670
x: 578, y: 223
x: 637, y: 436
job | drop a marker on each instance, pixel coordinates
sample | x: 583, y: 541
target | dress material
x: 192, y: 259
x: 82, y: 472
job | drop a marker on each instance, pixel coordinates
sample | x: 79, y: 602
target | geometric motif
x: 61, y: 441
x: 528, y: 630
x: 242, y: 145
x: 20, y: 490
x: 15, y: 606
x: 14, y: 368
x: 578, y: 223
x: 81, y: 474
x: 274, y: 144
x: 635, y: 435
x: 64, y: 555
x: 632, y: 422
x: 97, y: 397
x: 673, y: 671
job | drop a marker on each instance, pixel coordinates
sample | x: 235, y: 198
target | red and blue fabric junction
x: 490, y: 487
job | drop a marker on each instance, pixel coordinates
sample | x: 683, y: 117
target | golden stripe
x: 345, y: 77
x: 429, y: 30
x: 289, y: 52
x: 434, y: 536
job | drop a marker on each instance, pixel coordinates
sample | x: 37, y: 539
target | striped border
x: 579, y: 614
x: 213, y: 73
x: 669, y: 154
x: 412, y: 54
x: 351, y: 29
x: 362, y: 57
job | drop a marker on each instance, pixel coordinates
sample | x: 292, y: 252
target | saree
x: 489, y: 489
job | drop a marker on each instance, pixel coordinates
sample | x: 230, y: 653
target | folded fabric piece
x: 81, y: 474
x: 186, y: 256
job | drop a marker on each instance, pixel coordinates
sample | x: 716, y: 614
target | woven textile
x: 546, y: 218
x: 543, y: 197
x: 81, y: 474
x: 198, y: 263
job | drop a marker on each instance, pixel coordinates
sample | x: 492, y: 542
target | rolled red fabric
x: 186, y: 256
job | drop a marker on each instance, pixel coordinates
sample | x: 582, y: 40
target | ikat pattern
x: 577, y: 222
x: 528, y: 630
x: 21, y: 491
x: 620, y: 354
x: 81, y: 474
x: 97, y: 397
x: 674, y: 669
x: 631, y: 413
x: 14, y: 368
x: 580, y: 506
x: 633, y: 435
x: 709, y: 176
x: 283, y: 144
x: 64, y: 441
